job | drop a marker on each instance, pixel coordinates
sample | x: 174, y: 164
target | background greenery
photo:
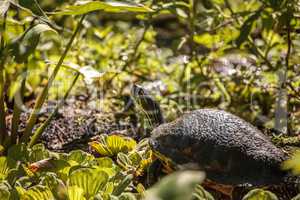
x: 241, y: 56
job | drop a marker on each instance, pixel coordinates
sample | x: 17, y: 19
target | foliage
x: 237, y: 55
x: 19, y: 50
x: 80, y: 176
x: 112, y: 145
x: 293, y: 163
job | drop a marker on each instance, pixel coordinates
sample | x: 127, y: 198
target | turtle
x: 230, y: 150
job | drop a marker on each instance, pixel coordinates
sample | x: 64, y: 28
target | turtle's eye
x: 138, y: 90
x: 153, y: 144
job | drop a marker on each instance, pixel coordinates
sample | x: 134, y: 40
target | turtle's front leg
x: 226, y: 190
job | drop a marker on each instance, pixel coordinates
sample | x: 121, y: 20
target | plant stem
x: 3, y: 131
x: 18, y: 101
x: 41, y: 129
x: 42, y: 97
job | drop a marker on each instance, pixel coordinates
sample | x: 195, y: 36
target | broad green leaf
x: 25, y: 45
x: 79, y: 157
x: 207, y: 39
x: 90, y: 180
x: 293, y: 163
x: 75, y: 193
x: 177, y: 186
x: 38, y: 152
x: 109, y: 188
x: 201, y: 194
x: 109, y: 6
x: 56, y: 185
x: 4, y: 192
x: 6, y: 165
x: 112, y: 145
x: 107, y: 165
x: 104, y: 162
x: 258, y: 194
x: 37, y: 192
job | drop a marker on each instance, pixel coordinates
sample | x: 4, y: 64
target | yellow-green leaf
x: 109, y: 6
x: 112, y: 145
x: 90, y: 180
x: 293, y: 163
x: 258, y: 194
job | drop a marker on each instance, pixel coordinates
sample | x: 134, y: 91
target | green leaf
x: 177, y: 186
x: 37, y: 30
x: 246, y: 28
x: 4, y: 192
x: 90, y: 180
x: 112, y: 145
x: 38, y: 152
x: 123, y: 185
x: 56, y: 185
x: 1, y: 149
x: 6, y: 165
x: 296, y: 197
x: 3, y: 168
x: 107, y: 6
x: 201, y: 194
x: 80, y: 157
x: 23, y: 46
x: 75, y: 193
x: 258, y: 194
x: 107, y: 165
x: 37, y: 192
x: 127, y: 196
x: 207, y: 39
x: 293, y: 163
x: 18, y: 152
x: 124, y: 161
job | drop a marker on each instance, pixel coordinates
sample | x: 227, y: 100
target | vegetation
x: 241, y: 56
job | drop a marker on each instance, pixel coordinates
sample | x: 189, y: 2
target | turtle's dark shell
x: 229, y: 149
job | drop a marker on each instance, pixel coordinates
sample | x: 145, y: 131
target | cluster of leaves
x: 38, y: 174
x: 19, y: 49
x: 229, y: 54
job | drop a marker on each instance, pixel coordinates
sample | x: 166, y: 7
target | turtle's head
x: 138, y: 91
x: 167, y: 162
x: 148, y: 106
x: 169, y: 146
